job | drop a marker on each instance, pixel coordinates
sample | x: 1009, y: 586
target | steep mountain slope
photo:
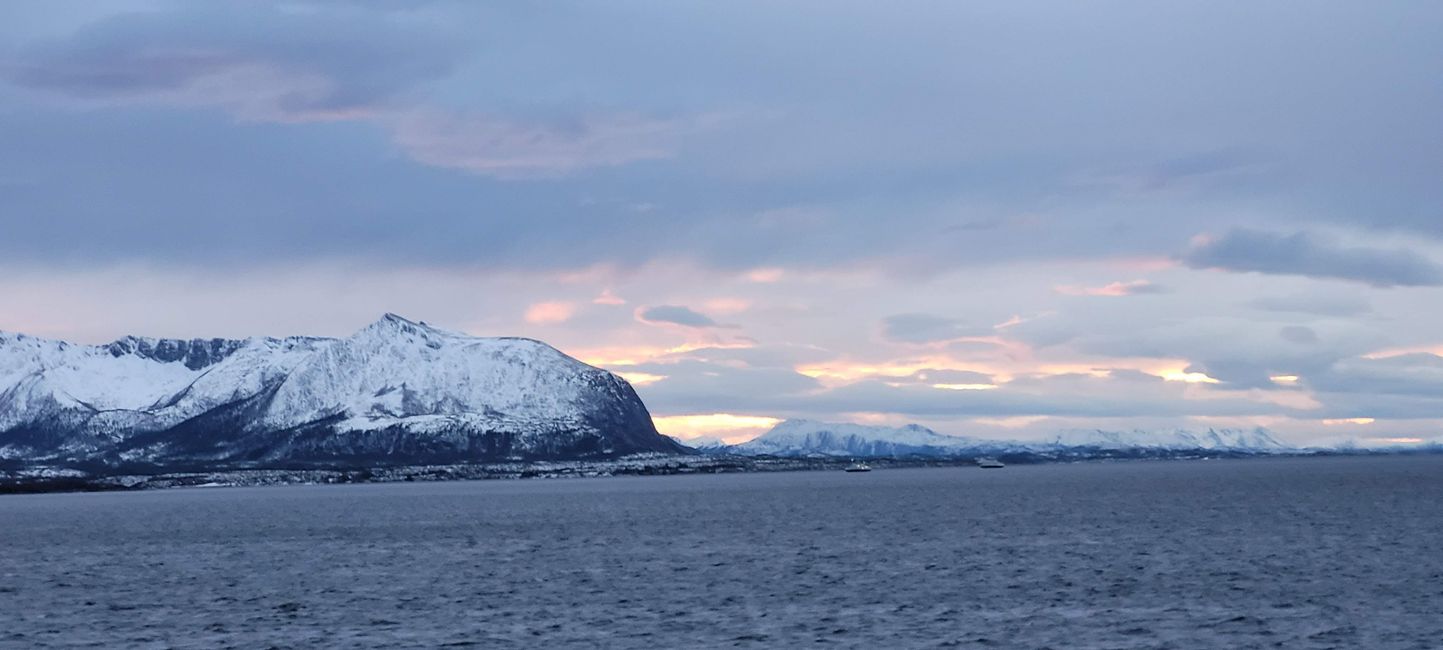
x: 397, y: 391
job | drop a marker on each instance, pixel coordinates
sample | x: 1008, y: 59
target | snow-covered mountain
x: 702, y: 443
x: 799, y: 438
x: 395, y: 391
x: 1254, y: 440
x: 809, y: 438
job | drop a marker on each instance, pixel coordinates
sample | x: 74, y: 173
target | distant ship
x: 858, y: 467
x: 989, y: 463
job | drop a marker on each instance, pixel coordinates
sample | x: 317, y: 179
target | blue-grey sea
x: 1265, y: 553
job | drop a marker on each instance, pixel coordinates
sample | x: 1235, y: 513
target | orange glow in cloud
x: 1339, y: 421
x: 1399, y: 441
x: 639, y: 378
x: 549, y: 313
x: 1284, y: 379
x: 1435, y: 350
x: 729, y: 427
x: 764, y: 275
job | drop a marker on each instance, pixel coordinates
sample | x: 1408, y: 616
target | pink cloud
x: 1112, y: 290
x: 550, y: 313
x: 608, y: 298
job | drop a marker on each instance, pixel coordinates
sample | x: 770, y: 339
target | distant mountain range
x: 396, y: 391
x: 806, y: 438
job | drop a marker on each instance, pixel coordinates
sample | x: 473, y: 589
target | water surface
x: 1295, y: 553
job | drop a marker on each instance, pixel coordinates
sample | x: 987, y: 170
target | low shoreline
x: 41, y: 480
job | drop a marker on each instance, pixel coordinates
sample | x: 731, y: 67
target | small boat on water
x: 989, y: 463
x: 858, y: 467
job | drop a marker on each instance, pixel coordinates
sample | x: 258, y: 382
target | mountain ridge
x: 808, y: 438
x: 395, y: 391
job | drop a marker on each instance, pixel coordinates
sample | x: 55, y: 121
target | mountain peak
x: 398, y: 321
x: 393, y: 324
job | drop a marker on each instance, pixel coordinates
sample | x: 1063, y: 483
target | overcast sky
x: 1000, y: 218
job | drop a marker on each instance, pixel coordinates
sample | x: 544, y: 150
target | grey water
x: 1291, y: 553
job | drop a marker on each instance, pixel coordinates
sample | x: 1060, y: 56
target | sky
x: 991, y: 218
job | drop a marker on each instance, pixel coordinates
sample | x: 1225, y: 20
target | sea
x: 1343, y: 552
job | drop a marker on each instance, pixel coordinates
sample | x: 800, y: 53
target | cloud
x: 949, y: 377
x: 1237, y: 351
x: 607, y: 297
x: 675, y: 315
x: 1329, y: 304
x: 1416, y: 374
x: 1114, y: 289
x: 765, y: 275
x: 492, y: 146
x: 694, y: 386
x: 1120, y: 394
x: 927, y: 328
x: 1301, y: 253
x: 256, y: 62
x: 1183, y: 173
x: 326, y: 64
x: 1402, y: 387
x: 549, y: 313
x: 1299, y: 334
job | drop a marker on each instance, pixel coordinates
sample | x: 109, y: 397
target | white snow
x: 1257, y: 440
x: 391, y: 371
x: 809, y: 438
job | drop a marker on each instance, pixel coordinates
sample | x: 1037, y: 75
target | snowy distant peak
x: 911, y: 433
x: 811, y: 438
x: 1256, y: 439
x: 195, y: 353
x: 701, y: 442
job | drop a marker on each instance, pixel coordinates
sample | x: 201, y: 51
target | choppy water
x: 1297, y: 553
